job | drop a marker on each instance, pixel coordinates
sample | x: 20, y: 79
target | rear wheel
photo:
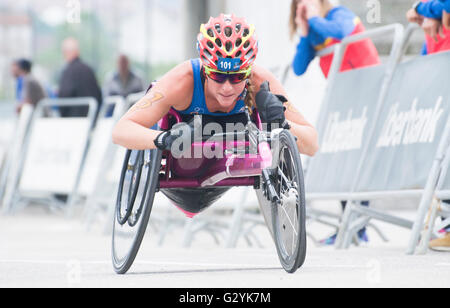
x: 137, y: 188
x: 288, y: 215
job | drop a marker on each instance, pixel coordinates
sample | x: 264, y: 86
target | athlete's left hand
x: 270, y: 106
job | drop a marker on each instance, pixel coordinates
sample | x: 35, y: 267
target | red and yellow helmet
x: 227, y: 44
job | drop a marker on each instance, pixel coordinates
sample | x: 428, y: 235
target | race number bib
x: 229, y: 65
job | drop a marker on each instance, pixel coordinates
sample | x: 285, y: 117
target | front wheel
x: 288, y: 214
x: 137, y: 188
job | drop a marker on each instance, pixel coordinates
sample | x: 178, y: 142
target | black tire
x: 132, y: 167
x: 291, y: 247
x: 127, y: 236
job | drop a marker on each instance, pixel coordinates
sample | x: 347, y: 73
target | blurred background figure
x: 123, y: 83
x: 28, y: 89
x: 322, y: 25
x: 77, y: 80
x: 430, y: 15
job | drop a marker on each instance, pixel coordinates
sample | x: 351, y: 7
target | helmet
x: 227, y: 43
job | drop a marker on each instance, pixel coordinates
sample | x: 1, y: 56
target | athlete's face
x: 225, y: 93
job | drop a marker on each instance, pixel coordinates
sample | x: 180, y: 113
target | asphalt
x: 43, y: 249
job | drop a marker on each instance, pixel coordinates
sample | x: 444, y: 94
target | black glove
x: 175, y: 139
x: 270, y: 107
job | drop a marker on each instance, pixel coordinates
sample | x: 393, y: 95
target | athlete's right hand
x: 177, y: 139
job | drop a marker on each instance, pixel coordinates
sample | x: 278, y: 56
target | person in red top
x: 322, y: 25
x: 431, y: 15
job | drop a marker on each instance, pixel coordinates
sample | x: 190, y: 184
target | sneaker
x: 362, y: 237
x: 328, y: 241
x: 441, y: 244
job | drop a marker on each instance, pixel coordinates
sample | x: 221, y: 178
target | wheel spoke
x: 289, y: 220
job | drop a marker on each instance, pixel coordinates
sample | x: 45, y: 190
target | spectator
x: 124, y: 82
x: 77, y: 80
x: 28, y: 89
x: 429, y: 15
x: 321, y: 25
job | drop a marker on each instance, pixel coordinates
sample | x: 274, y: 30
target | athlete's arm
x: 307, y: 140
x: 173, y: 90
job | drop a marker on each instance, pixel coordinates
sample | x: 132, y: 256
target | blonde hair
x: 292, y: 16
x: 250, y: 97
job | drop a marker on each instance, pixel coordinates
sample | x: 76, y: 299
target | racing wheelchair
x: 267, y: 160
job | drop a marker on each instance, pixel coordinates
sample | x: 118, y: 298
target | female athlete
x: 218, y: 85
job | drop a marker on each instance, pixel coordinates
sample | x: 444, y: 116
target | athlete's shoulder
x: 261, y: 74
x: 178, y: 84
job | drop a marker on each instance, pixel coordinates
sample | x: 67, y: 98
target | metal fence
x: 365, y: 147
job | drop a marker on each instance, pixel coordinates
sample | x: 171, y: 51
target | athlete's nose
x: 227, y: 86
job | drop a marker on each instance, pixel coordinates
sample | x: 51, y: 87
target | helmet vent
x: 217, y: 26
x: 210, y: 45
x: 210, y: 32
x: 238, y: 42
x: 228, y: 46
x: 228, y: 31
x: 208, y: 54
x: 219, y: 43
x: 238, y: 54
x: 238, y: 28
x: 246, y: 44
x: 246, y: 32
x: 249, y: 54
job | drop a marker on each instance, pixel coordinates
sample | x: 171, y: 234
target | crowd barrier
x: 379, y: 138
x: 52, y: 156
x: 7, y: 124
x: 13, y: 150
x: 102, y: 173
x: 8, y: 120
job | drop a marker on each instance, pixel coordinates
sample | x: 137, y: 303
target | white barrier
x: 104, y: 164
x: 10, y: 169
x: 7, y: 128
x: 52, y: 157
x: 101, y: 148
